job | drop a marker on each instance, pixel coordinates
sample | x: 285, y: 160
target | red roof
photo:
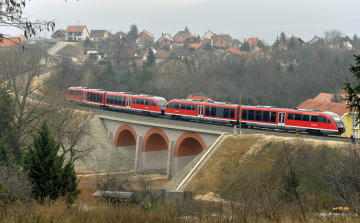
x: 252, y: 41
x: 196, y: 97
x: 12, y: 41
x: 189, y: 36
x: 327, y: 97
x: 337, y: 108
x: 195, y: 45
x: 232, y: 50
x: 75, y: 28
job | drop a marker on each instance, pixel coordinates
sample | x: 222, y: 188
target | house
x: 165, y: 42
x: 9, y: 42
x: 338, y: 98
x: 296, y: 39
x: 252, y: 42
x: 260, y: 53
x: 222, y: 40
x: 198, y: 97
x: 145, y: 39
x: 161, y: 55
x: 60, y: 34
x: 126, y: 58
x: 191, y: 40
x: 147, y: 52
x: 179, y: 36
x: 288, y: 57
x: 348, y: 117
x: 343, y: 43
x: 76, y: 33
x: 207, y: 37
x: 230, y: 52
x: 206, y: 57
x: 181, y: 53
x: 236, y: 43
x: 172, y: 66
x: 114, y: 38
x: 98, y: 35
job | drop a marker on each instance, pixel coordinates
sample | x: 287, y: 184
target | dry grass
x: 72, y: 50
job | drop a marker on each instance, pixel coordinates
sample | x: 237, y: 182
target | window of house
x: 166, y: 41
x: 137, y: 60
x: 355, y: 123
x: 58, y: 35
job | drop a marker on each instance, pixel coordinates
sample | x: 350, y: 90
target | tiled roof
x: 327, y: 97
x: 162, y: 54
x: 179, y: 51
x: 61, y: 31
x: 195, y: 45
x: 232, y: 50
x: 189, y: 36
x: 97, y: 33
x: 147, y: 37
x: 165, y: 36
x: 196, y: 97
x: 337, y: 108
x: 179, y: 36
x: 236, y: 42
x: 225, y: 37
x: 254, y: 51
x: 12, y: 41
x: 75, y: 28
x: 252, y: 41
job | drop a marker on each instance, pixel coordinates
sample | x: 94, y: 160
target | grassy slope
x: 72, y: 50
x: 242, y: 166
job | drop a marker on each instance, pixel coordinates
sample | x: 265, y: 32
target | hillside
x: 72, y: 50
x: 241, y: 167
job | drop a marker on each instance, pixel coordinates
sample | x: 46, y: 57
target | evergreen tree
x: 7, y: 141
x: 187, y: 30
x: 208, y: 47
x: 261, y: 45
x: 355, y: 41
x: 133, y: 33
x: 291, y: 44
x: 276, y: 44
x: 245, y: 47
x: 150, y: 59
x: 88, y: 43
x: 282, y: 37
x: 49, y: 177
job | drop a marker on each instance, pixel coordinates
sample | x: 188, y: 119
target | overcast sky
x: 239, y: 18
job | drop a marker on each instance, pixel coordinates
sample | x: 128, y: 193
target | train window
x: 290, y: 116
x: 79, y: 93
x: 182, y: 106
x: 251, y: 115
x: 188, y: 107
x: 297, y: 117
x: 314, y: 118
x: 323, y: 119
x: 226, y: 113
x: 193, y: 107
x: 259, y: 115
x: 232, y: 113
x: 266, y: 116
x: 244, y: 114
x: 212, y: 111
x: 207, y: 111
x: 306, y: 118
x: 219, y: 112
x: 272, y: 116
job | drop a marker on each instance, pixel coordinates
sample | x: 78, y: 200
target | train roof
x: 207, y: 102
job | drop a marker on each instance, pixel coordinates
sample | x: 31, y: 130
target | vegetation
x: 49, y: 178
x: 150, y: 59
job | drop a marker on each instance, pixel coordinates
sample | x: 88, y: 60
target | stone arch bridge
x: 158, y: 146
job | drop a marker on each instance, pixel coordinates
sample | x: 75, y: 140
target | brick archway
x: 125, y: 136
x: 154, y: 140
x: 189, y: 144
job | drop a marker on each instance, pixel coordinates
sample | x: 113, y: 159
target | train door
x: 84, y: 96
x: 281, y: 120
x: 201, y: 111
x: 128, y: 102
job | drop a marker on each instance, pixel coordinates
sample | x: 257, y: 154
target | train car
x: 83, y: 95
x: 138, y: 103
x: 313, y: 122
x: 220, y: 112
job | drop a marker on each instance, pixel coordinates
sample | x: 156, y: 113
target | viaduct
x: 156, y: 145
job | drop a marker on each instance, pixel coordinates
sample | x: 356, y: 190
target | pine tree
x: 133, y: 33
x: 187, y: 30
x: 150, y: 59
x: 49, y: 177
x: 7, y: 141
x: 245, y: 47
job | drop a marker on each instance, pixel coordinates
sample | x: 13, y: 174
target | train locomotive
x: 311, y: 121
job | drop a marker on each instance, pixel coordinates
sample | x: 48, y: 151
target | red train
x: 313, y: 122
x: 122, y: 101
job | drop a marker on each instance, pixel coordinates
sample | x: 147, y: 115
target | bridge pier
x: 170, y: 159
x: 138, y: 151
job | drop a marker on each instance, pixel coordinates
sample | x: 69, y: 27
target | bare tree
x: 333, y: 34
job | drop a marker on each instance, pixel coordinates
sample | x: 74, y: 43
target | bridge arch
x: 189, y: 144
x: 125, y: 136
x: 154, y: 140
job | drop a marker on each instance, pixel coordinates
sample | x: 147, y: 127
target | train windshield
x: 161, y: 101
x: 336, y: 119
